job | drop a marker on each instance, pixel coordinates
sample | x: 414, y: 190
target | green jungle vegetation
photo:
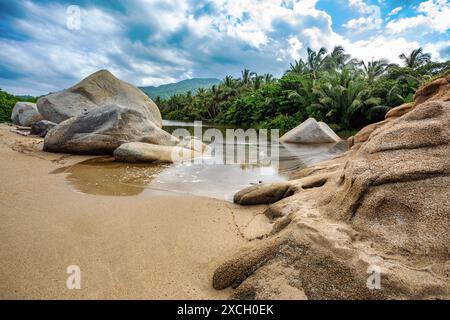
x: 7, y: 102
x: 333, y: 87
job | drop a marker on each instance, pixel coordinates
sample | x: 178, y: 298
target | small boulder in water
x: 311, y: 132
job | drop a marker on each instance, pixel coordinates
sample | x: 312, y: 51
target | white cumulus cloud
x: 395, y: 11
x: 433, y: 15
x: 153, y: 42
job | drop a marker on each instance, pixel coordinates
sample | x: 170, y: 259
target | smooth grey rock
x: 25, y: 113
x: 194, y: 143
x: 145, y: 152
x: 99, y: 89
x: 42, y: 127
x: 103, y: 129
x: 311, y: 132
x: 264, y: 193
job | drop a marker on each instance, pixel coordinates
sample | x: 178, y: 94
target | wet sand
x: 162, y: 246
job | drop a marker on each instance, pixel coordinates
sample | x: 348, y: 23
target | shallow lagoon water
x: 218, y: 176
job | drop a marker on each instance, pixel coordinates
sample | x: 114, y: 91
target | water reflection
x: 213, y: 180
x: 104, y: 176
x: 223, y: 178
x: 218, y: 177
x: 294, y: 157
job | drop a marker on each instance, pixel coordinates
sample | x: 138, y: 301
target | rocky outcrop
x: 99, y: 114
x: 42, y: 127
x: 233, y: 272
x: 311, y: 132
x: 398, y: 182
x: 99, y: 89
x: 364, y: 134
x: 263, y: 194
x: 381, y: 209
x: 25, y: 113
x: 103, y: 129
x: 145, y: 152
x: 399, y: 111
x: 438, y: 90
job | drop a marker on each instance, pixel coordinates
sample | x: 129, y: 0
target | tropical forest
x: 333, y: 87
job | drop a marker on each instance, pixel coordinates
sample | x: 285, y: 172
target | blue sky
x: 150, y: 42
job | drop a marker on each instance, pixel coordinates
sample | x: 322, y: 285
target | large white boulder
x: 99, y: 89
x: 99, y: 114
x: 311, y: 132
x: 103, y: 129
x: 25, y: 114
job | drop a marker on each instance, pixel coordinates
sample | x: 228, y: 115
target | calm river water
x: 231, y: 166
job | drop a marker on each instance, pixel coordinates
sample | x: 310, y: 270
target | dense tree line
x: 329, y: 86
x: 7, y: 102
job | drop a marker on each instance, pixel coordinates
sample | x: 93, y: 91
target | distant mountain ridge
x: 167, y: 90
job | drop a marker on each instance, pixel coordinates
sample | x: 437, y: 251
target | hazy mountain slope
x: 167, y: 90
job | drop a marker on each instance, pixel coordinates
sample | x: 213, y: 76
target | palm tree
x: 212, y: 107
x: 339, y: 94
x: 229, y: 82
x: 336, y: 58
x: 404, y: 88
x: 246, y: 76
x: 201, y: 91
x: 416, y: 59
x: 257, y: 81
x: 268, y: 78
x: 374, y: 69
x: 298, y: 67
x: 315, y: 60
x: 228, y: 88
x: 304, y: 93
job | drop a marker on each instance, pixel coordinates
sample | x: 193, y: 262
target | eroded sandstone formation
x: 382, y: 208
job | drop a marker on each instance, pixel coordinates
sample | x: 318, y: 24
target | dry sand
x: 163, y: 246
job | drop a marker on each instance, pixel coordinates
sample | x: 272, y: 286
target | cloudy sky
x: 44, y: 47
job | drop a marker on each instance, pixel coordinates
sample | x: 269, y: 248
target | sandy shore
x: 164, y: 246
